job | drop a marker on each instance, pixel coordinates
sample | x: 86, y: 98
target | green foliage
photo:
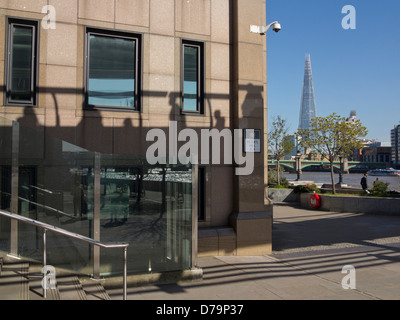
x: 380, y: 189
x: 273, y: 179
x: 279, y: 186
x: 332, y: 137
x: 308, y: 188
x: 279, y: 142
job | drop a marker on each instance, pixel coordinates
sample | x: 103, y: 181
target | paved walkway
x: 310, y: 248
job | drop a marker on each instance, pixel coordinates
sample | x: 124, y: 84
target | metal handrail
x: 45, y: 227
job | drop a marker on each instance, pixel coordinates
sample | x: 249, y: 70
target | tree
x: 332, y: 137
x: 279, y: 142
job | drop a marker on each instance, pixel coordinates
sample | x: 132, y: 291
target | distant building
x: 296, y: 147
x: 377, y: 154
x: 352, y: 117
x: 357, y: 154
x: 308, y: 108
x: 395, y: 142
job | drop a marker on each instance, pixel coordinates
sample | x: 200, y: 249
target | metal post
x: 340, y: 170
x: 195, y: 214
x: 298, y: 165
x: 44, y: 264
x: 125, y: 272
x: 96, y: 216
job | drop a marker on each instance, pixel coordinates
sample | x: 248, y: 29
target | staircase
x: 22, y: 280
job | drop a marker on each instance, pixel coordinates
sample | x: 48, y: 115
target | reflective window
x: 21, y: 66
x: 192, y: 86
x: 112, y: 71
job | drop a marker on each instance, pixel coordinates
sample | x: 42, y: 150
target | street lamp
x: 298, y: 164
x: 340, y: 170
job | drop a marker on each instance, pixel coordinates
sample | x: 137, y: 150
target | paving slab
x: 310, y: 249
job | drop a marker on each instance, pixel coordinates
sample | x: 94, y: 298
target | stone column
x: 252, y: 215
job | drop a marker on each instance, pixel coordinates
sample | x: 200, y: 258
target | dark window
x: 202, y: 194
x: 21, y: 73
x: 112, y: 71
x: 192, y: 77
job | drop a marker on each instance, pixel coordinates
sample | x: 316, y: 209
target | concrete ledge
x: 283, y: 195
x: 207, y: 242
x: 354, y: 204
x: 253, y: 232
x: 226, y: 242
x: 250, y: 234
x: 216, y: 242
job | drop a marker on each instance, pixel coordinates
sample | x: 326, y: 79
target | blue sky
x: 352, y: 69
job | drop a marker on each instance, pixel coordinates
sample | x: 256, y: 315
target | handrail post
x: 125, y: 271
x: 96, y: 215
x: 44, y: 264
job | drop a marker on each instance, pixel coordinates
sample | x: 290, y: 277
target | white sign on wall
x: 252, y: 140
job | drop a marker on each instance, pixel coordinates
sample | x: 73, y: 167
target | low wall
x: 368, y: 205
x: 283, y: 195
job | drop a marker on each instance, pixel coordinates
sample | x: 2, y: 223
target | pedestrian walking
x: 364, y: 184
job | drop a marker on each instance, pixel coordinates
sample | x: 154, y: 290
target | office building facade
x: 84, y: 83
x: 395, y: 144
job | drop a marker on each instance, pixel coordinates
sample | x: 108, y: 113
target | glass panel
x: 5, y: 181
x: 53, y: 180
x: 148, y: 206
x: 22, y: 64
x: 112, y: 68
x: 190, y: 82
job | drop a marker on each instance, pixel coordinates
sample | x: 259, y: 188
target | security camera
x: 262, y: 30
x: 276, y: 27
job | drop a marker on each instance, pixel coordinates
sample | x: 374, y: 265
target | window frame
x: 8, y: 72
x: 200, y: 77
x: 138, y: 69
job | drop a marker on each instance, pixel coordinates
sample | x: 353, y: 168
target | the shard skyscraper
x: 308, y: 109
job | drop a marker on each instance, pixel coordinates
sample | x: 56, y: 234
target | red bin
x: 315, y: 201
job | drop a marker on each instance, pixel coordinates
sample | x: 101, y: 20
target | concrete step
x: 70, y: 288
x: 14, y: 280
x: 20, y: 280
x: 35, y: 285
x: 94, y: 289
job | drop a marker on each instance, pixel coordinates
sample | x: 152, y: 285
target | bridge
x: 346, y: 165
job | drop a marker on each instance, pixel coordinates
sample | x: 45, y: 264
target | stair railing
x: 47, y: 227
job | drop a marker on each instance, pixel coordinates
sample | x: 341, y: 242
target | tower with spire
x: 308, y: 109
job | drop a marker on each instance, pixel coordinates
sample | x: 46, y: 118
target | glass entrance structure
x: 110, y: 198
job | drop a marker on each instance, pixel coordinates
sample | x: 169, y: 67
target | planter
x: 354, y: 204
